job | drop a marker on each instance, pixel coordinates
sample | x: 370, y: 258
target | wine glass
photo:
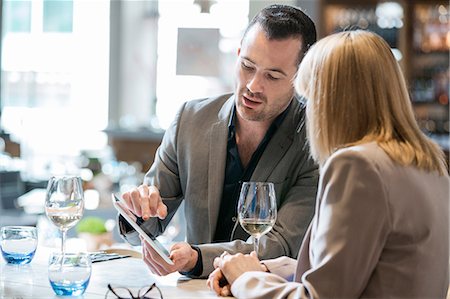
x: 64, y: 203
x: 257, y: 209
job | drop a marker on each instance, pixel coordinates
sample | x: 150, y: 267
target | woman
x: 381, y: 227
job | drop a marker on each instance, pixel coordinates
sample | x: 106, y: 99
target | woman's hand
x: 218, y: 283
x: 233, y: 266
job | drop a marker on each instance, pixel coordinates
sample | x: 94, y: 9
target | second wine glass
x: 257, y: 209
x: 64, y: 203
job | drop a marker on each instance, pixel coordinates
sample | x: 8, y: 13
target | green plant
x: 92, y: 225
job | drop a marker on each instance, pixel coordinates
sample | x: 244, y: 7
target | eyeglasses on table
x: 126, y: 293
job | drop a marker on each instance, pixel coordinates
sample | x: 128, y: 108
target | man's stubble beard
x: 241, y: 108
x: 265, y: 114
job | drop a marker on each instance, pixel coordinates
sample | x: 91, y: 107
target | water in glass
x: 18, y: 243
x: 69, y: 273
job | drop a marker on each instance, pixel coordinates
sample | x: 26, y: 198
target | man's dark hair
x: 284, y: 21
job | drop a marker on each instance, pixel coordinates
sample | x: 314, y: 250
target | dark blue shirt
x: 235, y: 174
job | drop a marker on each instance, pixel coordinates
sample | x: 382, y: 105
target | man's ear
x: 239, y: 51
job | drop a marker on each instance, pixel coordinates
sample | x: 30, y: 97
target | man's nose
x: 255, y: 85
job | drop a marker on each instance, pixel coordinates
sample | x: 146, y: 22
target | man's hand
x: 182, y: 255
x: 145, y: 201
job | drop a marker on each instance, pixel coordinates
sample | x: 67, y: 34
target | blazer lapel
x: 277, y: 147
x: 217, y: 159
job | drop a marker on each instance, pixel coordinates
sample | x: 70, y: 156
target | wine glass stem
x: 256, y: 244
x: 63, y: 242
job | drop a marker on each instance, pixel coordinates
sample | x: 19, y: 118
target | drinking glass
x: 257, y: 209
x: 69, y: 273
x: 64, y: 203
x: 18, y: 243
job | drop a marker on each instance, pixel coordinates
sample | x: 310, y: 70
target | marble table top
x: 31, y: 281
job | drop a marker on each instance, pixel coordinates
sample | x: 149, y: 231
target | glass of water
x: 69, y: 273
x: 18, y: 244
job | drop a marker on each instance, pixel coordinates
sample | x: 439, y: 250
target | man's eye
x: 245, y: 66
x: 272, y: 77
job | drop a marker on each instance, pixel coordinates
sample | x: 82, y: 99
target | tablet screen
x: 156, y: 245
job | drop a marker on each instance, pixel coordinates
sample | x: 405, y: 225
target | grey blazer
x: 190, y: 166
x: 381, y: 230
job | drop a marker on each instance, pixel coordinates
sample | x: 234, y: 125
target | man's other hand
x: 182, y: 255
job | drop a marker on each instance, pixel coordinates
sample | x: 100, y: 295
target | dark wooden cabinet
x: 11, y: 187
x: 135, y: 146
x: 418, y: 32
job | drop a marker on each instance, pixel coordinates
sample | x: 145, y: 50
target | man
x: 255, y: 134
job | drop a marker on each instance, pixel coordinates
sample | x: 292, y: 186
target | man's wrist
x: 197, y: 269
x: 192, y: 261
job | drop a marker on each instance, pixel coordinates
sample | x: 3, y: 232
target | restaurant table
x: 31, y: 281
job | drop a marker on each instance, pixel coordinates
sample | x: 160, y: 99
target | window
x: 55, y: 64
x: 187, y: 33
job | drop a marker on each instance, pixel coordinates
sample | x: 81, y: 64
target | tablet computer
x: 158, y: 247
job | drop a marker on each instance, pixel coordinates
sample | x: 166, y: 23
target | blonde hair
x: 356, y: 94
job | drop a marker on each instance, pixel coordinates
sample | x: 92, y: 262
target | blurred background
x: 89, y: 86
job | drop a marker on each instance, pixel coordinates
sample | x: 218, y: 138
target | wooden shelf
x: 426, y: 72
x: 135, y: 145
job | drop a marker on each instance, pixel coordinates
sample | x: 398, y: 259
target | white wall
x: 133, y: 62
